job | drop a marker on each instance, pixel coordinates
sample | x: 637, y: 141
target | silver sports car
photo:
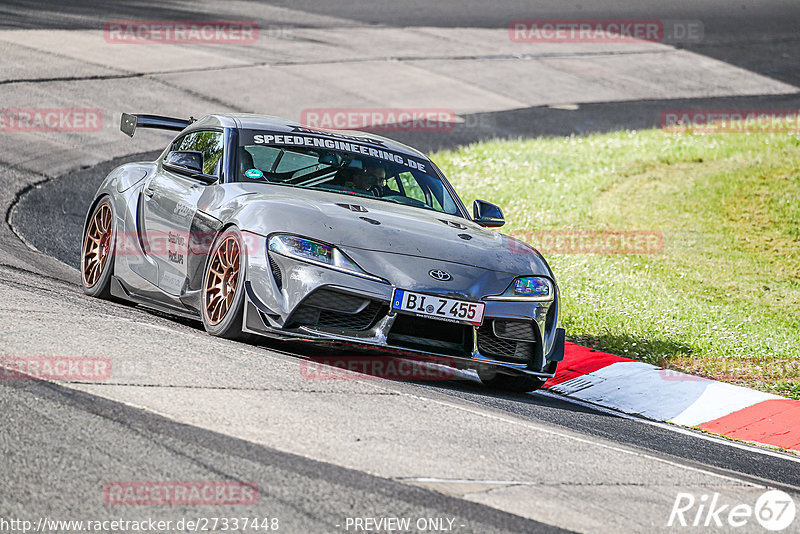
x: 260, y: 226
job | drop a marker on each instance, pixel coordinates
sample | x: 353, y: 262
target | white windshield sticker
x: 333, y: 144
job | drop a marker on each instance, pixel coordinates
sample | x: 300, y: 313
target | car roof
x: 250, y: 121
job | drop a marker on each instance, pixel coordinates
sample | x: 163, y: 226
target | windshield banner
x: 345, y: 144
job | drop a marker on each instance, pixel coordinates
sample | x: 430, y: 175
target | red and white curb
x: 637, y: 388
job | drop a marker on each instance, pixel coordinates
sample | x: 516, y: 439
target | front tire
x: 223, y: 286
x: 97, y: 253
x: 511, y: 383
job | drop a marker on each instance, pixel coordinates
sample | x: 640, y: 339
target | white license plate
x: 445, y: 309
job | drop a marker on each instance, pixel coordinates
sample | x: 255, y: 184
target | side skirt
x: 118, y: 290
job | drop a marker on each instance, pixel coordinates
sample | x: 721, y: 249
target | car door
x: 169, y: 205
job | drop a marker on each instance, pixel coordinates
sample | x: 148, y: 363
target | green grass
x: 722, y: 299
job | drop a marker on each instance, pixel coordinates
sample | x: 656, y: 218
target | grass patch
x: 722, y: 299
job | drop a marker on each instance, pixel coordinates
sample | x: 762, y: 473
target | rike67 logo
x: 774, y: 510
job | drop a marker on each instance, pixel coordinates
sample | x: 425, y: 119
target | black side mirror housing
x: 189, y: 163
x: 487, y: 214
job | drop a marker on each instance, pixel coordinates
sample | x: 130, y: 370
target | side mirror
x: 487, y: 214
x: 189, y: 163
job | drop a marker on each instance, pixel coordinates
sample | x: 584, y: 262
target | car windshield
x: 341, y: 166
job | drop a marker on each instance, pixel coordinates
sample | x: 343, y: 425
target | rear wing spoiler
x: 129, y: 123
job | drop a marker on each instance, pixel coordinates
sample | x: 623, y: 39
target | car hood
x: 362, y: 224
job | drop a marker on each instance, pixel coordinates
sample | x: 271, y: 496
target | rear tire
x: 97, y: 252
x: 223, y: 287
x: 511, y: 383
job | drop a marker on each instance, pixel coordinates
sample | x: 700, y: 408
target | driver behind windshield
x: 377, y: 177
x: 363, y: 182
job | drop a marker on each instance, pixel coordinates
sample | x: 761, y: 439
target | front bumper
x: 290, y: 299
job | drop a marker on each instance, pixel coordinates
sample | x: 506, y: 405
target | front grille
x: 518, y: 349
x: 357, y: 321
x: 335, y: 301
x: 430, y: 335
x: 337, y: 310
x: 519, y: 330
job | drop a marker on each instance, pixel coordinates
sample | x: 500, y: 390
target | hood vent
x: 353, y: 207
x: 453, y: 224
x: 371, y: 221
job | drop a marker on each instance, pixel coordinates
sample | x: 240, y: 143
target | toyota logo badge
x: 438, y: 274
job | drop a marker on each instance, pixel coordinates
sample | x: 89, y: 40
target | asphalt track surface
x: 59, y: 441
x: 305, y: 495
x: 759, y: 36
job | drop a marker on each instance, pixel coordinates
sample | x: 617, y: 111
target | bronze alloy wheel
x: 97, y: 245
x: 222, y: 280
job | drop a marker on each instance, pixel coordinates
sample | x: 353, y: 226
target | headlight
x: 315, y: 252
x: 527, y: 288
